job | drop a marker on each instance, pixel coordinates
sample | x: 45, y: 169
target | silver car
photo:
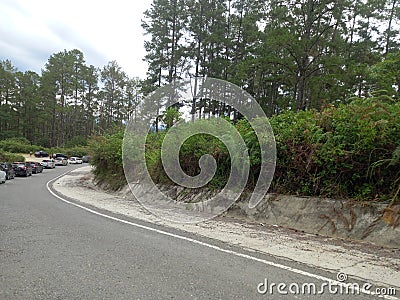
x: 48, y: 164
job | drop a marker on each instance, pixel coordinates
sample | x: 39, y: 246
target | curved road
x: 52, y: 250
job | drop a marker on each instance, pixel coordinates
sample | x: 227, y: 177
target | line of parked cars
x: 9, y: 171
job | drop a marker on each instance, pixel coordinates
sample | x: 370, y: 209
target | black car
x: 8, y: 168
x: 41, y: 154
x: 22, y: 169
x: 36, y: 167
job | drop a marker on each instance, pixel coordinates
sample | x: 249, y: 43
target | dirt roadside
x: 33, y: 158
x: 365, y: 261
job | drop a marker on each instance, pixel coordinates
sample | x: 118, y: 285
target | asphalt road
x: 52, y: 250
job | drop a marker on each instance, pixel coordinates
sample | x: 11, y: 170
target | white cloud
x: 31, y: 31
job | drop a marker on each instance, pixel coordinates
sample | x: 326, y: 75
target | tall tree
x: 390, y: 17
x: 114, y: 82
x: 89, y: 97
x: 28, y: 105
x: 209, y: 32
x: 62, y: 89
x: 166, y: 23
x: 306, y: 44
x: 133, y: 96
x: 7, y: 97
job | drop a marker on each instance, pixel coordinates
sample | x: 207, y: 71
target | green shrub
x: 8, y: 134
x: 78, y: 151
x: 153, y: 157
x: 331, y: 152
x: 107, y: 160
x: 10, y: 157
x: 77, y: 141
x: 197, y: 146
x: 298, y: 139
x: 18, y: 145
x: 347, y: 151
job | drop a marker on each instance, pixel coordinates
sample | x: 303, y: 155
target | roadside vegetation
x: 326, y: 73
x: 10, y: 157
x: 346, y: 151
x: 13, y: 149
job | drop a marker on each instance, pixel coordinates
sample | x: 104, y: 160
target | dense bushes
x: 336, y: 152
x: 352, y: 150
x: 107, y: 159
x: 22, y: 145
x: 78, y: 151
x: 10, y: 157
x: 18, y: 145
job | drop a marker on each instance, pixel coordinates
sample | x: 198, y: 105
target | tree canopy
x: 288, y: 54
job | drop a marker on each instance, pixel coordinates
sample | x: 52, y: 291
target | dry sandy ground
x: 364, y: 261
x: 33, y: 158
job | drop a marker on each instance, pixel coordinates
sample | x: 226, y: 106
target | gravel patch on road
x: 358, y: 260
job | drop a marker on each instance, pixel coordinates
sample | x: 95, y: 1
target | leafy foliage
x: 307, y: 55
x: 78, y: 151
x: 351, y: 150
x: 64, y: 105
x: 107, y: 158
x: 10, y: 157
x: 22, y: 145
x: 331, y: 152
x: 76, y: 141
x: 18, y: 145
x: 171, y: 116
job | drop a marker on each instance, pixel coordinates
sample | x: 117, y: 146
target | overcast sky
x: 31, y: 31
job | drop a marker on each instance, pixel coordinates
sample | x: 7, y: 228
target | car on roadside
x: 74, y: 160
x: 2, y: 176
x: 86, y: 158
x: 41, y: 153
x: 61, y: 161
x: 56, y: 155
x: 48, y: 163
x: 36, y: 167
x: 22, y: 169
x: 8, y: 168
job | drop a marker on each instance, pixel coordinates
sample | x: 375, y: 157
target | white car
x: 2, y: 177
x: 74, y: 160
x: 61, y: 161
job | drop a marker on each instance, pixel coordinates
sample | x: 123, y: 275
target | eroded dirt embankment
x: 371, y: 222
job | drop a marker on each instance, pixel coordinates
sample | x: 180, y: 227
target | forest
x: 65, y: 103
x: 288, y: 54
x: 312, y: 65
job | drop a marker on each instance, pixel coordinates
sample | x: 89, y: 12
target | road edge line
x: 217, y: 248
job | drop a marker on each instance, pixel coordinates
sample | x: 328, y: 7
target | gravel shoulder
x: 364, y: 261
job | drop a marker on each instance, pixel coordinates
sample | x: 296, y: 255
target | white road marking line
x: 238, y: 254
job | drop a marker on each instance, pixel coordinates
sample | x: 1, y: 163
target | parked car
x: 2, y: 177
x: 48, y: 163
x: 75, y: 160
x: 41, y: 153
x: 8, y: 168
x: 36, y: 167
x: 55, y: 155
x: 61, y: 161
x: 22, y: 169
x: 86, y: 158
